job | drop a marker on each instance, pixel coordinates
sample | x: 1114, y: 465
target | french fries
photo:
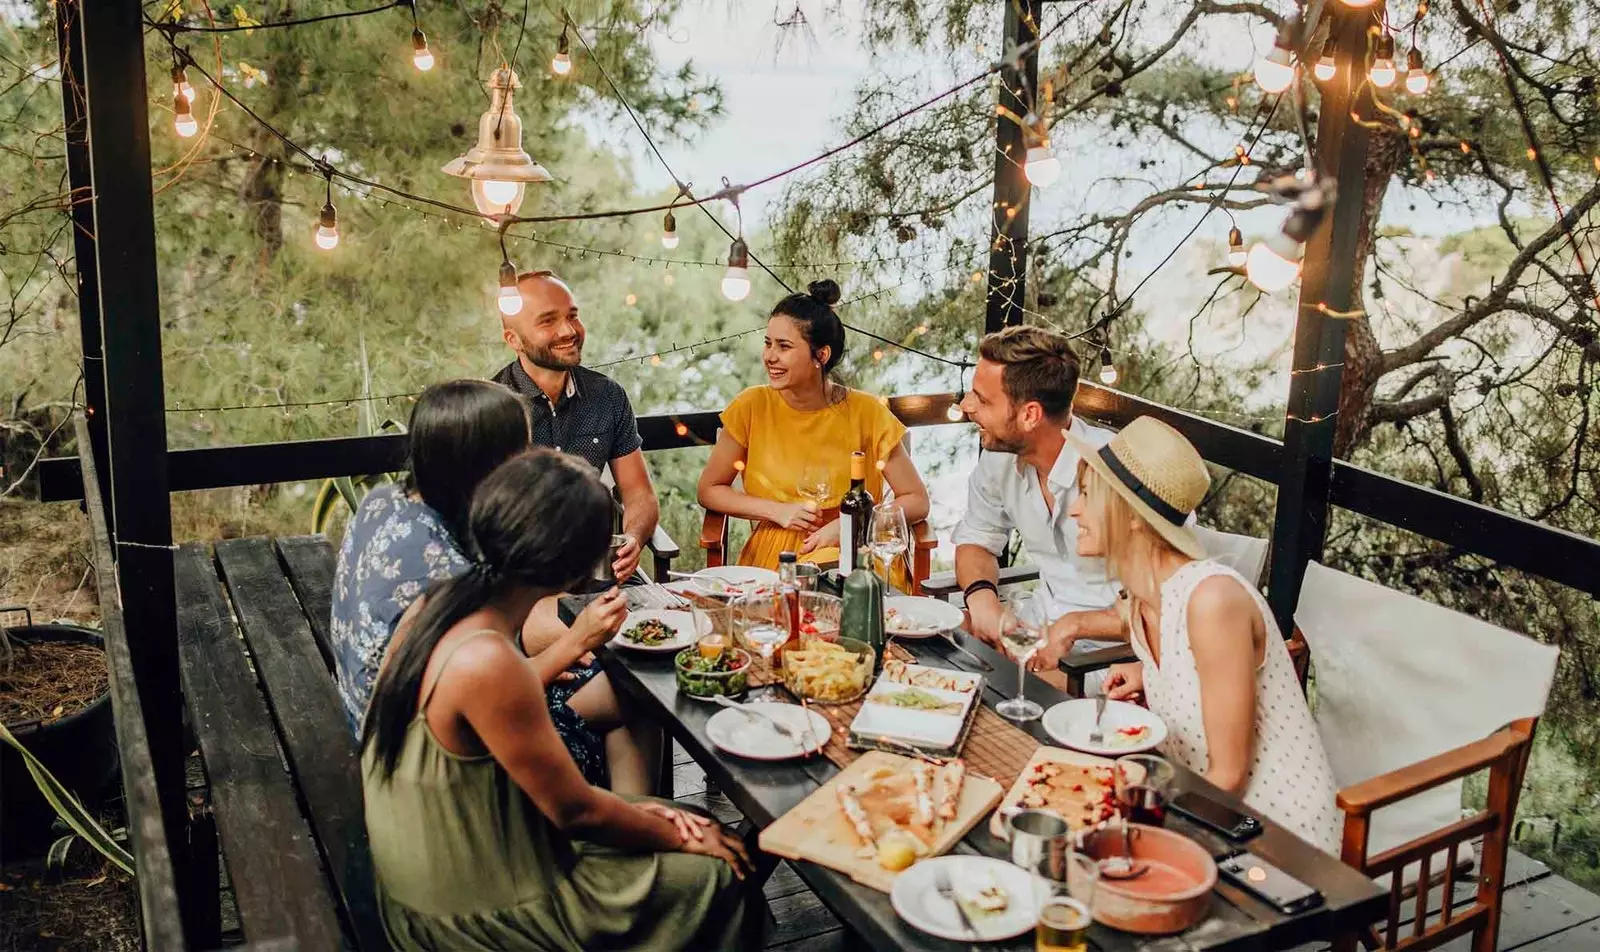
x: 824, y: 671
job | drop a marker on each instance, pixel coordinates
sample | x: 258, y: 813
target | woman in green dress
x: 484, y: 833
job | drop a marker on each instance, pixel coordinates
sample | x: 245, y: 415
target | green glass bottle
x: 862, y: 615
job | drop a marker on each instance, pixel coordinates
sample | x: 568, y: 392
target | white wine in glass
x: 816, y: 486
x: 888, y: 536
x: 1022, y: 633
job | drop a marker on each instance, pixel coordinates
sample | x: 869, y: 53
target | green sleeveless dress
x: 465, y: 860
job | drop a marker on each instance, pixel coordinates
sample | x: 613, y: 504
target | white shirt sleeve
x: 985, y: 523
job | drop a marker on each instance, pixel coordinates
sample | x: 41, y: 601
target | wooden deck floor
x: 1543, y: 912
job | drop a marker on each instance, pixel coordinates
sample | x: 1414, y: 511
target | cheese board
x: 1077, y: 786
x: 818, y: 829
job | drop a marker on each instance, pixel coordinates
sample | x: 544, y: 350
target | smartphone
x: 1268, y: 883
x: 1215, y: 816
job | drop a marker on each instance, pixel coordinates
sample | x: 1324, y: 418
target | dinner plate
x: 913, y: 725
x: 754, y: 738
x: 1070, y: 722
x: 924, y: 617
x: 717, y: 581
x: 916, y: 898
x: 681, y: 621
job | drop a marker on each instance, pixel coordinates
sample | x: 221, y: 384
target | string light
x: 181, y: 85
x: 1359, y: 4
x: 510, y: 298
x: 1327, y: 66
x: 1040, y: 164
x: 1236, y: 251
x: 669, y: 232
x: 1108, y: 370
x: 1417, y: 78
x: 953, y: 411
x: 1382, y: 72
x: 1276, y: 71
x: 561, y: 63
x: 1272, y: 265
x: 736, y: 281
x: 421, y: 56
x: 327, y: 236
x: 497, y: 166
x: 182, y: 119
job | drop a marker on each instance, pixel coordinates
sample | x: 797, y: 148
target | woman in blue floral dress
x: 403, y: 539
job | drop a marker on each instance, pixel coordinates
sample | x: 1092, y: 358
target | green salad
x: 650, y: 632
x: 726, y: 674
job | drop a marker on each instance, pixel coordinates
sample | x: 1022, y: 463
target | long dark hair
x: 813, y: 312
x: 460, y: 431
x: 542, y: 520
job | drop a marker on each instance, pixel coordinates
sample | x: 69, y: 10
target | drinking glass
x: 1065, y: 909
x: 1144, y: 784
x: 816, y: 485
x: 762, y: 622
x: 1022, y: 630
x: 888, y: 537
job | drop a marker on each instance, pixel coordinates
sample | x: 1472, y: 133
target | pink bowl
x: 1173, y: 893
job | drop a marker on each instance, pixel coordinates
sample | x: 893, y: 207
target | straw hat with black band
x: 1158, y: 472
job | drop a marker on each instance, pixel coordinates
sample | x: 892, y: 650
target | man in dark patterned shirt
x: 577, y: 410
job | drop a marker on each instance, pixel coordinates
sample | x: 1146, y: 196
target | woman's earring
x: 816, y: 363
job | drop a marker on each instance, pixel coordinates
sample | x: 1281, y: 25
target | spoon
x: 1124, y: 866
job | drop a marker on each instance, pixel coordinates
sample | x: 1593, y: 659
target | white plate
x: 917, y: 900
x: 1070, y: 722
x: 716, y: 581
x: 933, y: 728
x: 683, y: 622
x: 925, y: 617
x: 755, y: 739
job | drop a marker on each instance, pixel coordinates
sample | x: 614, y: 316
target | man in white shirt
x: 1021, y: 400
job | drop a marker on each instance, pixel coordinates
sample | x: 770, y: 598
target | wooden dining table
x: 764, y: 791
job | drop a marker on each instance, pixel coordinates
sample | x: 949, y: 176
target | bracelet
x: 978, y: 586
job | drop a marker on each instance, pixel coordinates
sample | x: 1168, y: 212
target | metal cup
x: 1041, y: 842
x: 602, y: 571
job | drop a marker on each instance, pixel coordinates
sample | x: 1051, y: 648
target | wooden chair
x: 1401, y: 813
x: 714, y: 539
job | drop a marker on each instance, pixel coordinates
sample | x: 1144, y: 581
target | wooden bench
x: 282, y: 769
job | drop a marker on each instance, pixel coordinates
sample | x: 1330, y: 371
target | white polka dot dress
x: 1290, y: 778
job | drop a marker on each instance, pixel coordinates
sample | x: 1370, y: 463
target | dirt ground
x: 45, y: 563
x: 87, y: 910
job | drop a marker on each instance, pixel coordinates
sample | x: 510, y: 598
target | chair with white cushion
x: 1409, y: 699
x: 1245, y: 554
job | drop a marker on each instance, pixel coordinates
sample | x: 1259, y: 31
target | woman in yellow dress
x: 773, y: 434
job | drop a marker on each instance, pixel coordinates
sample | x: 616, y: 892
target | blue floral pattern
x: 394, y: 549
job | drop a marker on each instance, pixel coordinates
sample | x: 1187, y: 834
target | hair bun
x: 825, y: 292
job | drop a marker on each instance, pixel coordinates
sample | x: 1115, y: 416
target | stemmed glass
x: 816, y: 485
x: 887, y: 537
x: 1022, y: 631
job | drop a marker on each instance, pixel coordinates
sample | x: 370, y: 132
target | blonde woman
x: 1212, y: 661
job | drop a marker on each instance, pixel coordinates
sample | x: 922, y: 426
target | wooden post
x: 1008, y: 250
x: 134, y: 409
x: 1327, y: 283
x: 74, y: 112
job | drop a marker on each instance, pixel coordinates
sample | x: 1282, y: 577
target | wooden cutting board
x: 1044, y: 755
x: 816, y: 829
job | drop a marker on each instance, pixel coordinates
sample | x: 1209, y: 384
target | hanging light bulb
x: 736, y: 281
x: 421, y: 56
x: 510, y: 299
x: 561, y: 63
x: 182, y: 119
x: 1326, y: 67
x: 1272, y: 265
x: 1041, y: 166
x: 1417, y: 78
x: 497, y: 166
x: 953, y: 411
x: 1108, y: 370
x: 181, y: 85
x: 328, y: 228
x: 1275, y: 72
x: 1359, y: 4
x: 1236, y: 253
x: 669, y: 232
x: 1382, y: 72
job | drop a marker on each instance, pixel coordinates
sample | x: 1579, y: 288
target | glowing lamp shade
x: 497, y: 167
x: 182, y: 119
x: 1273, y: 265
x: 1325, y: 68
x: 510, y: 297
x: 736, y: 281
x: 421, y: 56
x: 1274, y: 72
x: 327, y: 236
x: 1041, y: 166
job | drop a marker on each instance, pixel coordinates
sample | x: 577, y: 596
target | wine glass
x: 1022, y: 631
x: 762, y: 621
x: 887, y: 536
x: 816, y: 485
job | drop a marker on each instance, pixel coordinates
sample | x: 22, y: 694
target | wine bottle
x: 855, y: 516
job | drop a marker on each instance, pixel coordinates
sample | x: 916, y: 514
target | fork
x: 1096, y: 735
x: 941, y: 884
x: 784, y: 730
